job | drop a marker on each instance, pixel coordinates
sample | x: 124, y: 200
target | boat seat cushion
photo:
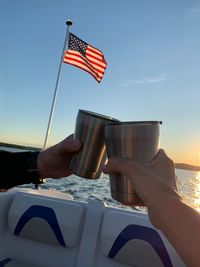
x: 15, y: 263
x: 130, y: 240
x: 44, y: 219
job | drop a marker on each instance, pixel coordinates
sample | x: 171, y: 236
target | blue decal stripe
x: 4, y: 262
x: 143, y: 233
x: 42, y: 212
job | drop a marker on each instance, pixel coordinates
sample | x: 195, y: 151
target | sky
x: 152, y: 49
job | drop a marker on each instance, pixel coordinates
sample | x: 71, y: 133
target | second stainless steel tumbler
x: 133, y: 141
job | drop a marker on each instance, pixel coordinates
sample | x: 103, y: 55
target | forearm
x: 15, y: 169
x: 181, y: 225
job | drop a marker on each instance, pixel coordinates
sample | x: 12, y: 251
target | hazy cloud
x: 147, y: 80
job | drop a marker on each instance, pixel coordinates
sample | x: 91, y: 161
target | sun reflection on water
x: 197, y: 192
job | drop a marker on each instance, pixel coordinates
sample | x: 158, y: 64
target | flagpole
x: 68, y: 23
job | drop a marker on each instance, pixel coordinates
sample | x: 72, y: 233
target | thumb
x: 69, y: 145
x: 124, y: 166
x: 131, y: 169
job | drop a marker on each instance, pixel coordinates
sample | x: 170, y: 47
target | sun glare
x: 197, y: 192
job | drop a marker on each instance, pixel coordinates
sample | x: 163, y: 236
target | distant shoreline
x: 188, y: 167
x: 2, y: 144
x: 182, y: 166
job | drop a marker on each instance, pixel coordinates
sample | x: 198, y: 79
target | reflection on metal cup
x: 90, y: 129
x: 134, y: 141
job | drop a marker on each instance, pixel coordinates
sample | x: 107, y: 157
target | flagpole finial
x: 69, y: 23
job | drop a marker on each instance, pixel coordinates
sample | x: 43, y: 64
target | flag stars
x: 85, y: 56
x: 77, y: 44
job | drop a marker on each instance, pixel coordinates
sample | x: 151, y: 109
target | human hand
x: 53, y: 162
x: 153, y: 182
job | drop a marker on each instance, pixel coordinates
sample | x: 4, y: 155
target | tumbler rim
x: 132, y: 123
x: 99, y: 116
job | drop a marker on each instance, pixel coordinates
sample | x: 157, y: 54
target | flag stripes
x: 86, y: 57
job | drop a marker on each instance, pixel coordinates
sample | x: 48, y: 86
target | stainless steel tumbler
x: 90, y: 129
x: 134, y: 141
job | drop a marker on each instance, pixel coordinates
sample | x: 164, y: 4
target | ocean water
x: 84, y: 189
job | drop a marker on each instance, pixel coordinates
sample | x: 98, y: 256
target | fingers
x: 160, y: 170
x: 162, y: 151
x: 113, y: 165
x: 161, y: 159
x: 69, y: 145
x: 128, y: 168
x: 160, y: 155
x: 142, y: 179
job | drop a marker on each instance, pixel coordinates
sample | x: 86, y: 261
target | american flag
x: 85, y: 56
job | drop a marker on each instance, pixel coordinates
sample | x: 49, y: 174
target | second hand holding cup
x: 134, y: 141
